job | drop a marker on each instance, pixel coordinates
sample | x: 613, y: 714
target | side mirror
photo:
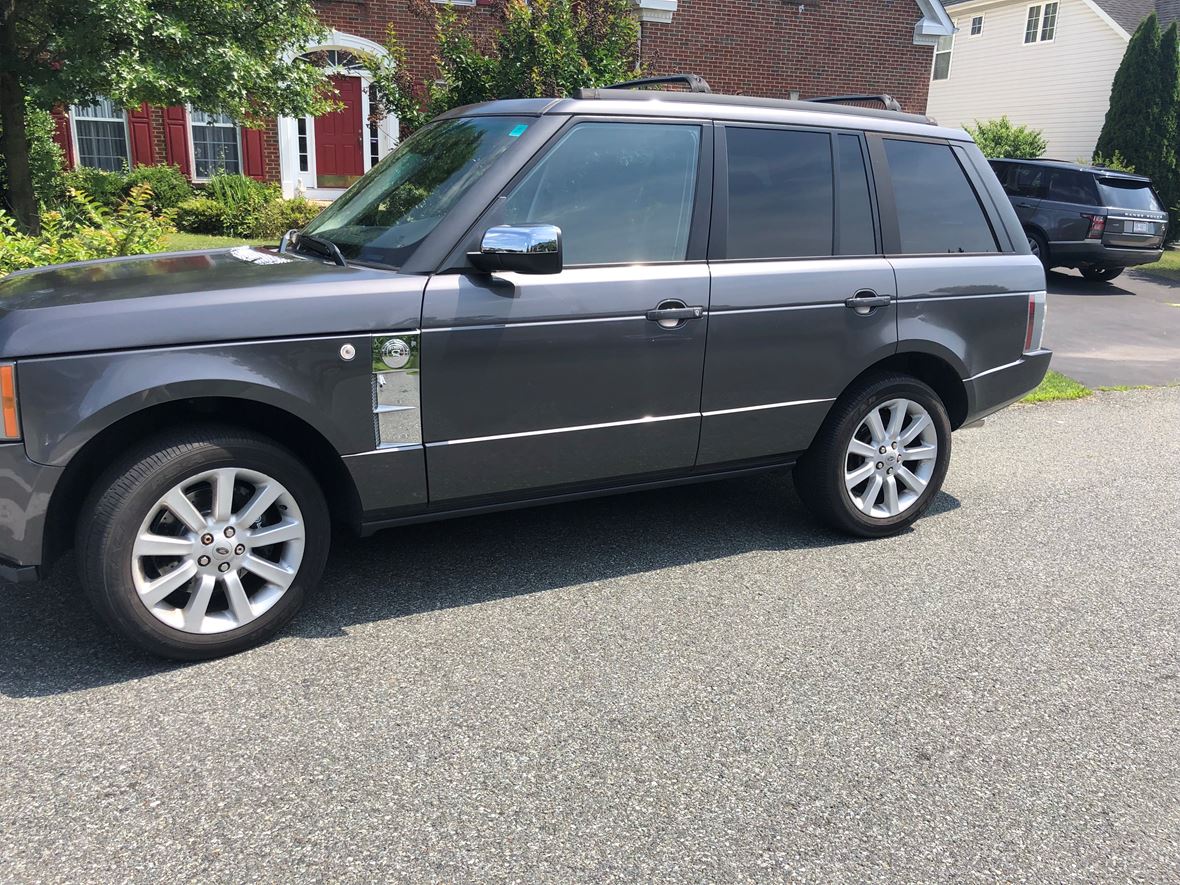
x: 523, y: 248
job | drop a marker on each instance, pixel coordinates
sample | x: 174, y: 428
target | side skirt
x: 368, y: 527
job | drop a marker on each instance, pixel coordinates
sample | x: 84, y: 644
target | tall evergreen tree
x: 1131, y: 122
x: 1166, y: 174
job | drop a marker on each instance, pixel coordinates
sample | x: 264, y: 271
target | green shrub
x: 86, y: 231
x: 1000, y: 139
x: 45, y: 159
x: 279, y: 216
x: 240, y: 190
x: 169, y: 186
x: 1117, y: 162
x: 201, y: 215
x: 107, y: 189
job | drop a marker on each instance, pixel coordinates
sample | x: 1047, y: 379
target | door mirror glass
x: 523, y: 248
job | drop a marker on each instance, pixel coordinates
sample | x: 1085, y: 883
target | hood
x: 197, y: 297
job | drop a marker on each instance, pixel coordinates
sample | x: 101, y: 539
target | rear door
x: 962, y: 290
x: 533, y: 383
x: 802, y: 299
x: 1071, y: 197
x: 1135, y: 216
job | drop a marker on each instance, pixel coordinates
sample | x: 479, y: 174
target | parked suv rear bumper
x: 991, y: 391
x: 1093, y: 252
x: 25, y: 488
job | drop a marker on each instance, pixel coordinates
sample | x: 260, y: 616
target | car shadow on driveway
x: 1060, y: 283
x: 52, y: 643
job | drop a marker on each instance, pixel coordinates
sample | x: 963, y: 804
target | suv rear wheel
x: 202, y: 543
x: 1101, y: 274
x: 1039, y: 247
x: 880, y: 457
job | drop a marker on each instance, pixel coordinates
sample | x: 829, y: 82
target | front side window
x: 781, y: 193
x: 942, y: 57
x: 101, y: 128
x: 937, y: 209
x: 620, y: 192
x: 1041, y: 24
x: 216, y: 147
x: 386, y: 214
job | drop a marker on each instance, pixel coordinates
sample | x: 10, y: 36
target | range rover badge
x: 395, y: 353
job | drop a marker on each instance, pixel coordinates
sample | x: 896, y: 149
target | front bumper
x: 991, y: 391
x: 1095, y: 252
x: 25, y: 489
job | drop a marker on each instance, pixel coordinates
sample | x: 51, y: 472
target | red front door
x: 339, y: 139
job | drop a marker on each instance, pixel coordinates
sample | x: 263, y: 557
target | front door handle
x: 671, y: 314
x: 866, y: 300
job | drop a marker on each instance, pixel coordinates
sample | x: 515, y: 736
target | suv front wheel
x: 880, y: 457
x: 202, y: 543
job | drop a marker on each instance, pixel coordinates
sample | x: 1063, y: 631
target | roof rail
x: 887, y: 101
x: 692, y: 81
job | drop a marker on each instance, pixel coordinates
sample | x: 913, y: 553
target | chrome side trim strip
x: 964, y: 297
x: 528, y: 323
x: 775, y: 309
x: 798, y: 402
x: 552, y: 430
x: 996, y: 369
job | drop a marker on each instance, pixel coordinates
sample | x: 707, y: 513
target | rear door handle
x: 675, y: 313
x: 866, y: 300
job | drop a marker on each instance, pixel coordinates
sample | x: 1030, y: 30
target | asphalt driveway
x: 1108, y: 334
x: 687, y: 685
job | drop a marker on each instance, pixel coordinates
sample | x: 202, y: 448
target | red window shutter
x: 61, y: 134
x: 176, y: 139
x: 253, y: 163
x: 139, y: 121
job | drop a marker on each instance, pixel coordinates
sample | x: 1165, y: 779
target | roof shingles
x: 1128, y: 13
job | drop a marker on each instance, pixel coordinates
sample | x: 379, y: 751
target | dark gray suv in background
x: 1089, y: 217
x: 530, y: 301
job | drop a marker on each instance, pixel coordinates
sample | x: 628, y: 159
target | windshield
x: 385, y: 215
x: 1125, y: 193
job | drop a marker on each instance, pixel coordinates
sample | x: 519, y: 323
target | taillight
x: 1097, y: 226
x: 1035, y: 332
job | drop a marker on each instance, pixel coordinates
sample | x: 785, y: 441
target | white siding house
x: 1048, y: 65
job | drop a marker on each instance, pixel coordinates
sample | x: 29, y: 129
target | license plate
x: 1142, y: 227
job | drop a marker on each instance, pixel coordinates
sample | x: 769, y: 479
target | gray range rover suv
x: 529, y: 301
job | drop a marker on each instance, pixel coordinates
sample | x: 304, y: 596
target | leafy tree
x: 1131, y: 126
x: 1003, y: 139
x: 543, y: 48
x: 1165, y: 173
x: 232, y: 56
x: 1117, y: 163
x: 45, y: 158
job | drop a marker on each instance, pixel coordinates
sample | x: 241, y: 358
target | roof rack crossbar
x: 887, y: 101
x: 692, y: 81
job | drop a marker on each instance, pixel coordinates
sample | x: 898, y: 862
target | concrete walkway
x: 1107, y: 334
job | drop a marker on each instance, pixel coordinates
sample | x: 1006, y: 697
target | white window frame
x: 78, y: 145
x: 192, y: 148
x: 971, y: 32
x: 949, y: 51
x: 454, y: 2
x: 1039, y: 37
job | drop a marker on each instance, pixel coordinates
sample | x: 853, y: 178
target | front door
x: 532, y: 383
x: 339, y: 137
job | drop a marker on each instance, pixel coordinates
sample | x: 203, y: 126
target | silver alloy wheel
x: 218, y: 550
x: 1034, y: 246
x: 891, y: 458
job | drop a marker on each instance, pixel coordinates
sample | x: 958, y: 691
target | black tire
x: 1040, y: 248
x: 819, y: 474
x: 125, y: 494
x: 1101, y: 274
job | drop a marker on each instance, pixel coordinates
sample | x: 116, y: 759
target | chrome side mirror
x: 523, y: 248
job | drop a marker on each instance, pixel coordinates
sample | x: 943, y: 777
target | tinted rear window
x: 1121, y: 193
x: 1068, y: 186
x: 937, y: 210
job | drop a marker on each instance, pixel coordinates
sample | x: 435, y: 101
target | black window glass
x: 620, y: 192
x: 855, y: 229
x: 1068, y: 186
x: 937, y: 210
x: 781, y: 201
x: 1028, y: 181
x: 1125, y: 193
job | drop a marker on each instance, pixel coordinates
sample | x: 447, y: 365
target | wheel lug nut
x: 882, y: 450
x: 230, y: 531
x: 240, y: 549
x: 204, y: 560
x: 895, y: 444
x: 890, y: 471
x: 880, y: 464
x: 224, y: 567
x: 206, y: 539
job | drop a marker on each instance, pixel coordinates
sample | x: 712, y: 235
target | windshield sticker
x: 518, y: 130
x: 253, y: 256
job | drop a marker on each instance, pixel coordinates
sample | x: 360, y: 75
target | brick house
x: 769, y: 47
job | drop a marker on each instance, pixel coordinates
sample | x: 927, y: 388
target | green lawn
x: 1167, y: 267
x: 181, y: 242
x: 1057, y: 386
